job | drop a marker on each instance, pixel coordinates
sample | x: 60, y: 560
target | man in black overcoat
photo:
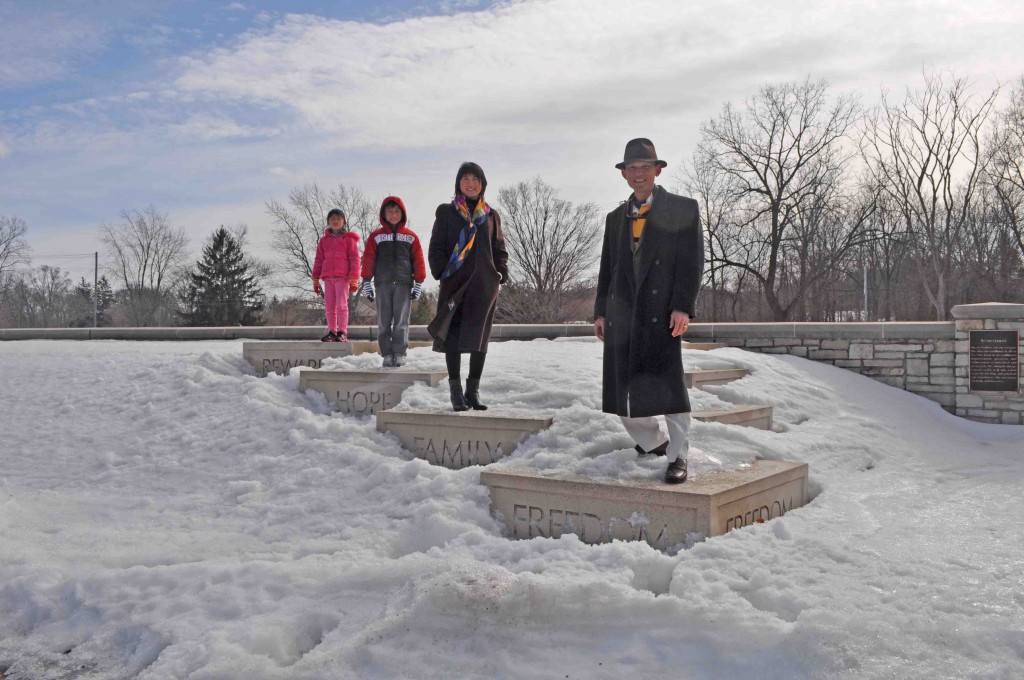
x: 652, y: 261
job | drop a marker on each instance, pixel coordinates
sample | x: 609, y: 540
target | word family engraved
x: 529, y: 521
x: 459, y: 454
x: 458, y: 440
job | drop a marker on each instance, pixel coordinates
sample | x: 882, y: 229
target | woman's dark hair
x: 469, y: 168
x: 336, y: 212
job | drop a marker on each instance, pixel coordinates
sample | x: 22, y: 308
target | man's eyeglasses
x: 640, y: 168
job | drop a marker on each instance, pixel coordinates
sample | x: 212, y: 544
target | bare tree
x: 782, y: 158
x: 301, y: 220
x: 1006, y: 170
x: 38, y: 298
x: 146, y: 254
x: 552, y: 247
x: 715, y: 192
x: 925, y: 152
x: 13, y: 248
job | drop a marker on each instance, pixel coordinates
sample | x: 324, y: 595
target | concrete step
x: 716, y: 376
x: 759, y: 417
x: 365, y: 392
x: 280, y: 356
x: 457, y: 440
x: 533, y: 503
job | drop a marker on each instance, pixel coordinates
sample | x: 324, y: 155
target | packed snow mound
x: 166, y: 514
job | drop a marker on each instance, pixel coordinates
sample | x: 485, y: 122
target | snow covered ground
x: 166, y: 514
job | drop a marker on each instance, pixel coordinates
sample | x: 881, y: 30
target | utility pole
x: 865, y: 260
x: 95, y: 289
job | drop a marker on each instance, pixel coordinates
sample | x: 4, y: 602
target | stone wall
x: 917, y: 357
x: 930, y: 359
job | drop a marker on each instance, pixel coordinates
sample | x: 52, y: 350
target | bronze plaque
x: 994, y: 361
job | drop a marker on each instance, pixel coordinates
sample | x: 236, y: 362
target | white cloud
x: 211, y: 126
x: 542, y: 71
x: 40, y: 48
x: 5, y: 150
x: 235, y: 7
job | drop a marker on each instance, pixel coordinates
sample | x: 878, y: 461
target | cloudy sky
x: 206, y: 110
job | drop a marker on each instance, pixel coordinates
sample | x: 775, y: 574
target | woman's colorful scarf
x: 467, y: 237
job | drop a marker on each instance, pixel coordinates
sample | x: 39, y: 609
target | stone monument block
x: 717, y: 376
x: 365, y: 392
x: 457, y: 440
x: 703, y: 346
x: 533, y: 504
x: 759, y: 417
x: 280, y: 356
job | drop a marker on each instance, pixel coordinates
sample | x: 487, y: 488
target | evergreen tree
x: 221, y: 291
x: 82, y: 303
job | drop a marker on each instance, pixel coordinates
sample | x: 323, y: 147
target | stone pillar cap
x: 989, y: 310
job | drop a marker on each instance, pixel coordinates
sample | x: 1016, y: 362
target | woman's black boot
x: 458, y: 398
x: 473, y: 394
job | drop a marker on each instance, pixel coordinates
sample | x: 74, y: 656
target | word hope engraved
x: 364, y: 401
x: 284, y: 365
x: 762, y: 514
x: 462, y: 454
x: 529, y: 521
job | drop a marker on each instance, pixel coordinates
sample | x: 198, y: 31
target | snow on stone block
x: 759, y: 417
x: 717, y: 376
x: 365, y: 392
x: 458, y: 440
x: 533, y: 504
x: 280, y: 356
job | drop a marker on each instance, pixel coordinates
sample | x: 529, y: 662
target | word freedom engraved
x: 535, y: 504
x: 994, y: 364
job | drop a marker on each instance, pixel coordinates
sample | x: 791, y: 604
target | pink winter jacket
x: 337, y: 256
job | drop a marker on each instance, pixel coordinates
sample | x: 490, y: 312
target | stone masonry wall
x: 917, y: 357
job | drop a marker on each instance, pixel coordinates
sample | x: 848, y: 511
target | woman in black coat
x: 467, y: 255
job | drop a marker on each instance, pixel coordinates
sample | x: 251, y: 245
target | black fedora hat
x: 640, y: 149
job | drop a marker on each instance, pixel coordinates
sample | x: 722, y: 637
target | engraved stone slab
x: 457, y: 440
x: 704, y: 346
x: 280, y: 356
x: 365, y: 392
x: 717, y: 376
x: 759, y: 417
x: 534, y: 504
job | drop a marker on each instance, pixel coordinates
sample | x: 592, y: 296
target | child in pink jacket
x: 337, y: 263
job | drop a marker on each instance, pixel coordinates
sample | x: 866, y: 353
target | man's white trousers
x: 648, y: 433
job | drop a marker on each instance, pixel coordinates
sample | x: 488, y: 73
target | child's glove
x: 417, y: 290
x: 368, y: 291
x: 317, y: 289
x: 353, y: 286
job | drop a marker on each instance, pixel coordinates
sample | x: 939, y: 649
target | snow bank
x: 166, y: 514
